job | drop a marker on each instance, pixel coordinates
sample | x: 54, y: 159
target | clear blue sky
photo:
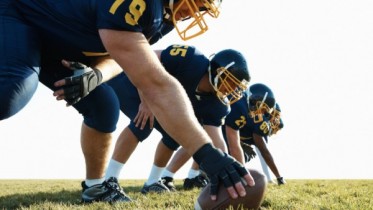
x: 317, y: 56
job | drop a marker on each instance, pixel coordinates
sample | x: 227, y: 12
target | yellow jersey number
x: 240, y: 122
x: 264, y: 127
x: 179, y: 50
x: 136, y: 8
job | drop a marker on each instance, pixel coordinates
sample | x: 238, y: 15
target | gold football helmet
x: 192, y: 24
x: 261, y: 101
x: 229, y: 75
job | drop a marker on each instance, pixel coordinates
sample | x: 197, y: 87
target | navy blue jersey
x: 239, y: 119
x: 70, y: 27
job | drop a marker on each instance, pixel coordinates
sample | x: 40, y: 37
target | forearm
x: 271, y: 164
x: 237, y: 153
x: 216, y: 135
x: 233, y: 139
x: 108, y: 67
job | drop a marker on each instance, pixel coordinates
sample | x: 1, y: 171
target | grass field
x: 297, y: 195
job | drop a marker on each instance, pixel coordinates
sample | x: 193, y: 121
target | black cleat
x: 169, y: 183
x: 199, y: 181
x: 109, y: 191
x: 157, y: 187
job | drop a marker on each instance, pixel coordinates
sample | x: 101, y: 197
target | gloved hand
x: 83, y: 81
x: 247, y: 149
x: 281, y: 180
x: 219, y: 167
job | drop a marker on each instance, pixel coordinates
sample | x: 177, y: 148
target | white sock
x: 113, y: 169
x: 193, y: 173
x: 155, y: 175
x: 168, y: 173
x: 91, y: 182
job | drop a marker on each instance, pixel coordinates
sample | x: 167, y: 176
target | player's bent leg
x: 126, y: 144
x: 95, y: 147
x: 162, y: 155
x: 101, y: 112
x: 177, y: 161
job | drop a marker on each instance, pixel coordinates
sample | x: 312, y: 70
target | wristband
x: 202, y: 152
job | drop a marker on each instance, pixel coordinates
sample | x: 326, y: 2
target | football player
x: 250, y: 123
x: 108, y: 37
x: 276, y: 125
x: 211, y: 85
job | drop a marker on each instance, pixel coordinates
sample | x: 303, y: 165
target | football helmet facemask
x: 229, y: 75
x: 275, y: 119
x: 261, y: 100
x: 195, y: 24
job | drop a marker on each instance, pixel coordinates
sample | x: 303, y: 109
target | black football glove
x: 219, y: 167
x: 84, y: 80
x: 249, y: 151
x: 281, y: 180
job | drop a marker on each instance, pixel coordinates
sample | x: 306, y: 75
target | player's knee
x: 15, y: 94
x: 100, y: 109
x: 170, y: 143
x: 141, y: 134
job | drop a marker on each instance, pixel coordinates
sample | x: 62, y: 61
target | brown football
x: 253, y: 199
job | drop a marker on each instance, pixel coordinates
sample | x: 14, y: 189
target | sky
x: 317, y: 57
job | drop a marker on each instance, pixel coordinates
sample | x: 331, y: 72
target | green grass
x: 297, y: 195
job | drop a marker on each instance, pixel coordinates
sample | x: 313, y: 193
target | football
x: 253, y: 199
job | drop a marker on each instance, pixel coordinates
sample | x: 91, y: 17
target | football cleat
x: 157, y: 187
x: 169, y: 183
x: 199, y: 181
x: 109, y: 191
x: 281, y: 181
